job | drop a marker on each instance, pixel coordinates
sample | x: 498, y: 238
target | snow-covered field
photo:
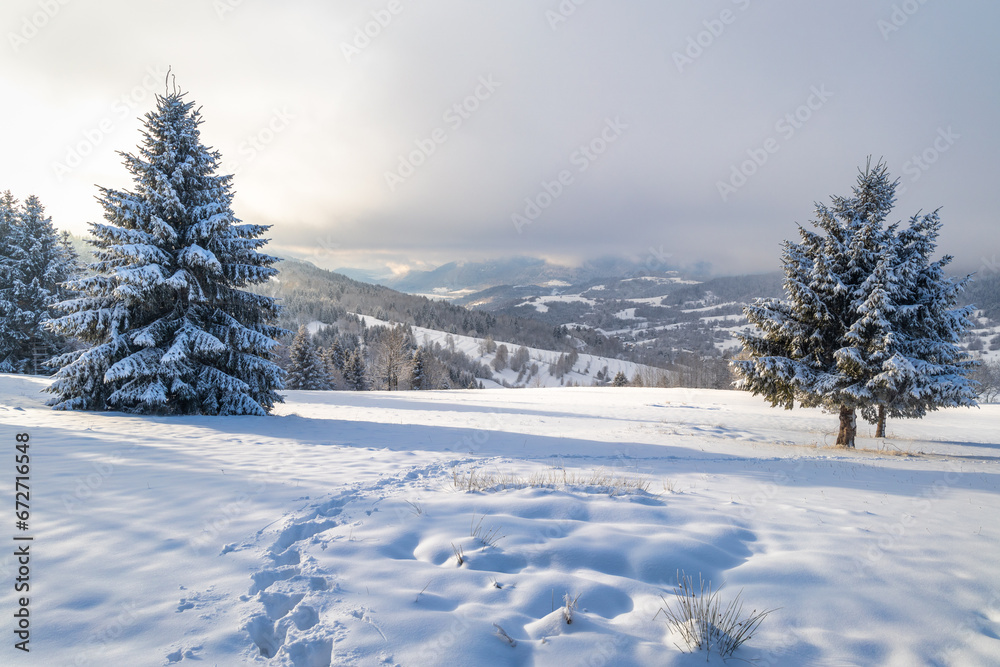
x: 328, y: 533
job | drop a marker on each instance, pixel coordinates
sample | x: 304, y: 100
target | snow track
x: 337, y: 589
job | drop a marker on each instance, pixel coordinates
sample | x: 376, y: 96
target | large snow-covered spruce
x: 172, y: 329
x: 870, y: 321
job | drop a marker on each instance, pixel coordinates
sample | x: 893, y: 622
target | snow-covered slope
x: 327, y: 534
x: 584, y: 372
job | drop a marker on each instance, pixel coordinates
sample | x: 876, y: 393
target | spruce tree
x: 34, y: 265
x: 869, y: 323
x: 918, y: 365
x: 172, y: 328
x: 306, y: 369
x: 418, y: 379
x: 334, y: 355
x: 354, y: 370
x: 47, y: 265
x: 10, y: 256
x: 70, y: 257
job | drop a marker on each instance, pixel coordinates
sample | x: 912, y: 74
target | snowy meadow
x: 467, y: 527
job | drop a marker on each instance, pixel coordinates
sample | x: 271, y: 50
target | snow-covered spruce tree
x: 9, y: 257
x: 418, y: 369
x: 171, y: 327
x: 306, y: 370
x: 869, y: 323
x: 354, y: 370
x: 334, y: 355
x: 70, y: 257
x: 917, y: 365
x: 36, y: 264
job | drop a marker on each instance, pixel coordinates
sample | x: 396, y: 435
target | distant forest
x: 308, y: 293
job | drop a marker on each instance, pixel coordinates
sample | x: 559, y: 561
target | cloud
x: 476, y: 107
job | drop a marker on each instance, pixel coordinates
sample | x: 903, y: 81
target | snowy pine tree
x: 172, y: 329
x: 34, y: 265
x: 307, y: 369
x: 870, y: 322
x: 418, y: 368
x: 354, y: 370
x: 69, y: 256
x: 10, y: 255
x: 334, y: 355
x: 918, y: 366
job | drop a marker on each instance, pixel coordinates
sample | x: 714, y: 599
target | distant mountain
x: 659, y: 317
x: 308, y: 293
x: 662, y: 317
x: 363, y: 275
x: 457, y: 279
x: 984, y: 293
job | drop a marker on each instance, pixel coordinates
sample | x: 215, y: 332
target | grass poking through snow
x: 459, y: 554
x: 488, y: 536
x: 568, y: 607
x: 601, y: 480
x: 701, y: 621
x: 502, y: 634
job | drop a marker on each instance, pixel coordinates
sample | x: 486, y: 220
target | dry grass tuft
x: 600, y: 480
x: 703, y: 623
x: 488, y: 536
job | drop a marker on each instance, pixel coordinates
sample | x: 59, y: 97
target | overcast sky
x: 408, y: 134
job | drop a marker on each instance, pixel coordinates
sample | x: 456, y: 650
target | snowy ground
x: 328, y: 533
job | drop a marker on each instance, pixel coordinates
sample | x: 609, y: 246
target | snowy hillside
x: 656, y: 317
x: 331, y: 532
x: 584, y: 372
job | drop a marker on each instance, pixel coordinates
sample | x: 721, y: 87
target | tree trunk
x: 880, y: 426
x: 848, y: 427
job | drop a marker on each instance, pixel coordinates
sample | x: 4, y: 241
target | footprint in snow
x: 181, y: 654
